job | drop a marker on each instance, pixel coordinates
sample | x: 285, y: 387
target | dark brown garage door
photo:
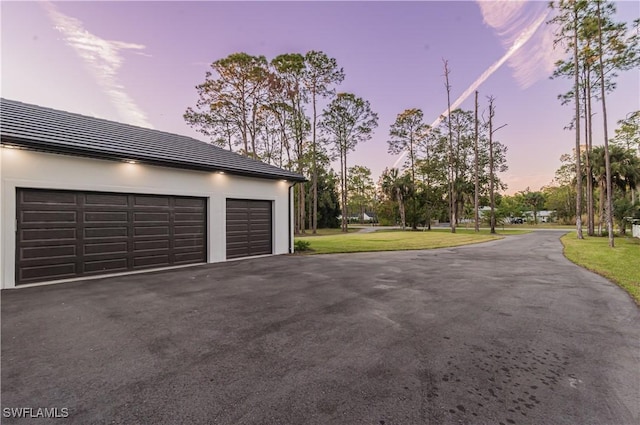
x: 65, y: 234
x: 248, y: 228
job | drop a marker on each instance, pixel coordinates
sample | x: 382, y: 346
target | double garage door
x: 66, y: 234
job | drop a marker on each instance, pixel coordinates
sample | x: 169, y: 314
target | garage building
x: 82, y: 197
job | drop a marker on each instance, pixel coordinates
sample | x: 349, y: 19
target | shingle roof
x: 56, y: 131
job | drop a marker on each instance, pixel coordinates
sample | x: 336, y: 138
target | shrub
x: 302, y: 246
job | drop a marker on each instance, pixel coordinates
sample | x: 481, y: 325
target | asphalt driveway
x: 506, y: 332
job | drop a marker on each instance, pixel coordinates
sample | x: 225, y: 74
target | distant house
x: 367, y: 217
x: 544, y: 216
x: 83, y: 197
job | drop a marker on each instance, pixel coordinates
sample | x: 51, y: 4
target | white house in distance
x: 544, y: 216
x: 81, y: 197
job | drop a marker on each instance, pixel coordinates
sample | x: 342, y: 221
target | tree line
x: 624, y: 153
x: 450, y: 170
x: 268, y: 110
x: 597, y: 48
x: 259, y: 108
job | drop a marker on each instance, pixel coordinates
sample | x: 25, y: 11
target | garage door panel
x: 151, y: 217
x: 150, y: 245
x: 104, y: 256
x: 260, y: 244
x: 150, y: 261
x: 188, y: 250
x: 237, y: 251
x: 238, y: 236
x: 187, y: 257
x: 260, y: 211
x: 189, y: 217
x: 105, y: 248
x: 29, y: 274
x: 64, y: 234
x: 105, y: 266
x: 37, y: 217
x: 41, y: 197
x: 109, y: 217
x: 152, y: 252
x: 150, y: 201
x: 197, y: 203
x: 237, y: 226
x: 48, y: 251
x: 188, y: 230
x: 191, y: 242
x: 47, y: 227
x: 49, y: 207
x: 151, y: 231
x: 54, y: 234
x: 105, y: 232
x: 106, y: 200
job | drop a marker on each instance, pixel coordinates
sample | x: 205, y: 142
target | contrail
x: 517, y: 44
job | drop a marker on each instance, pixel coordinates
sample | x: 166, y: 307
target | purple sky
x: 138, y: 62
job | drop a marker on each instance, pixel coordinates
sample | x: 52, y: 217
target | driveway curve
x: 505, y: 332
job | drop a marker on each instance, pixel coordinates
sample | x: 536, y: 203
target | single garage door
x: 66, y: 234
x: 249, y: 228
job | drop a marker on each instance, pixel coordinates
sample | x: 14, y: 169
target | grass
x: 326, y: 232
x: 398, y: 240
x: 619, y: 264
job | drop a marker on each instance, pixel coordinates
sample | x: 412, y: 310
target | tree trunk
x: 452, y: 209
x: 254, y: 154
x: 345, y: 218
x: 492, y: 198
x: 576, y: 90
x: 476, y: 194
x: 403, y: 220
x: 309, y: 213
x: 428, y: 190
x: 607, y: 159
x: 314, y: 177
x: 342, y: 209
x: 589, y: 171
x: 300, y: 142
x: 414, y: 218
x: 601, y: 206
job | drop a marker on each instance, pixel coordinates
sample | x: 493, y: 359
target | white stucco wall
x: 28, y: 169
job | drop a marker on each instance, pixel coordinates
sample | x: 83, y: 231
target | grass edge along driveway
x: 619, y: 264
x: 398, y: 240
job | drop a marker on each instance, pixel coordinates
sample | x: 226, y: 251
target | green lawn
x: 325, y: 232
x: 397, y: 240
x: 620, y: 264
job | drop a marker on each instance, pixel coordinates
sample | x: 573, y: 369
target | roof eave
x: 112, y: 156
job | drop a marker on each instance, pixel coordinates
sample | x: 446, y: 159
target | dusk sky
x: 138, y: 62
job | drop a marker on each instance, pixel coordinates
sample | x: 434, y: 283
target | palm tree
x: 625, y: 172
x: 399, y: 188
x: 535, y: 200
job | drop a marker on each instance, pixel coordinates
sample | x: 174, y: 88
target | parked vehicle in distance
x: 517, y: 220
